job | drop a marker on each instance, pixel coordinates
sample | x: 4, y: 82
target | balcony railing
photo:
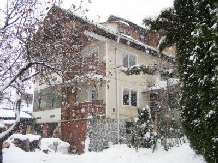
x: 95, y: 108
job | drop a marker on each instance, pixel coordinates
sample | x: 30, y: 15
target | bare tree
x: 20, y: 21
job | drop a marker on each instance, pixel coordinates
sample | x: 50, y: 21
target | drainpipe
x: 117, y: 92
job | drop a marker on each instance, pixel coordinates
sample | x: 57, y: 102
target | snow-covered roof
x: 6, y: 113
x: 162, y: 84
x: 107, y: 32
x: 113, y: 18
x: 2, y: 126
x: 122, y: 22
x: 30, y: 137
x: 130, y: 39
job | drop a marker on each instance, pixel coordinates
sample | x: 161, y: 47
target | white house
x: 93, y: 84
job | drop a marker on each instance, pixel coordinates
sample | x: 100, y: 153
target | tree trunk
x: 1, y: 154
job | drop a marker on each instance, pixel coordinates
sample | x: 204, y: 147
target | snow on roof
x: 113, y: 18
x: 4, y: 113
x: 120, y: 21
x: 26, y: 107
x: 113, y: 32
x: 162, y: 84
x: 7, y: 121
x: 2, y: 126
x: 30, y: 137
x: 129, y: 38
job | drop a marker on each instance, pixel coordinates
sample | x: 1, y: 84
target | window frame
x: 130, y: 97
x: 47, y: 98
x: 94, y: 52
x: 91, y: 94
x: 128, y: 57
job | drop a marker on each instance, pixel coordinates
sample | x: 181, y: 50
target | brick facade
x: 74, y: 132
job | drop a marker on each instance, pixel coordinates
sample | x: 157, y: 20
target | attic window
x: 121, y: 30
x: 141, y: 37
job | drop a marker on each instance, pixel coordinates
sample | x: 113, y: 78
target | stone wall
x: 102, y: 131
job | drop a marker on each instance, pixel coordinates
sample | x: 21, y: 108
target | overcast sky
x: 133, y: 10
x: 100, y: 10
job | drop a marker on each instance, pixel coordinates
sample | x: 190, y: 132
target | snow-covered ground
x: 115, y: 154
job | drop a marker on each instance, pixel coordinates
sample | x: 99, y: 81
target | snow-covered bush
x: 142, y: 135
x: 54, y: 145
x: 27, y: 142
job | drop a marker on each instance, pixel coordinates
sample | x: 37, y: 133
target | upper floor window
x: 128, y: 60
x: 93, y: 94
x: 121, y: 30
x: 130, y: 97
x: 47, y: 98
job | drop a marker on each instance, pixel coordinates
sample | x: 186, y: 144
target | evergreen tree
x: 193, y: 27
x: 141, y: 132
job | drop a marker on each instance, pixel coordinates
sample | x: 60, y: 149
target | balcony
x: 95, y: 109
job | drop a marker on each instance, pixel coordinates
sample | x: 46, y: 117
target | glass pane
x: 36, y: 105
x: 43, y: 102
x: 125, y: 60
x: 134, y: 98
x: 57, y: 100
x: 46, y: 91
x: 94, y: 94
x: 132, y: 60
x: 49, y: 101
x: 36, y: 100
x: 125, y: 97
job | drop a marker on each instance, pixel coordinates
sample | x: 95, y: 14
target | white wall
x: 135, y: 82
x: 45, y: 116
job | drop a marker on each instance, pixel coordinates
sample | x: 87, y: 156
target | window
x: 121, y: 30
x: 46, y: 98
x: 54, y: 78
x: 52, y: 116
x: 129, y: 60
x: 143, y: 38
x: 130, y: 97
x: 129, y: 126
x: 93, y: 94
x: 94, y: 53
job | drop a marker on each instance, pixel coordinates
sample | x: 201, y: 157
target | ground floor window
x: 129, y: 126
x: 130, y: 97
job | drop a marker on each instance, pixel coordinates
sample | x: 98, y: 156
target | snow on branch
x: 11, y: 128
x: 25, y: 67
x: 150, y: 70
